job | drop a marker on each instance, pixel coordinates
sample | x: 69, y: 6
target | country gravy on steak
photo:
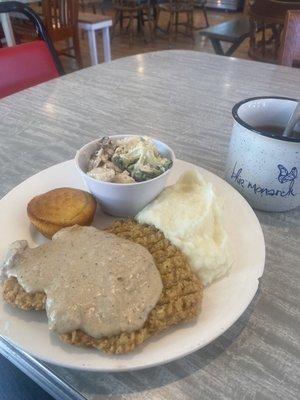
x: 94, y: 281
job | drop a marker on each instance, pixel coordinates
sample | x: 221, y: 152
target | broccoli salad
x: 127, y: 160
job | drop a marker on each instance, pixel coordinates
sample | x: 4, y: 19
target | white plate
x: 223, y: 303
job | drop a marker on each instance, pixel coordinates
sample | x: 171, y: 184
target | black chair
x: 18, y: 7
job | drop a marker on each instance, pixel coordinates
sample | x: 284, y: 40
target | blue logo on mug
x: 284, y: 176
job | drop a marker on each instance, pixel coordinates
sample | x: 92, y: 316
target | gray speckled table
x: 184, y: 98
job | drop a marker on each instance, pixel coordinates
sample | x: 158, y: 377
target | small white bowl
x: 122, y: 199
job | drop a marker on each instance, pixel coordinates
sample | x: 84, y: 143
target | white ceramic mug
x: 265, y: 167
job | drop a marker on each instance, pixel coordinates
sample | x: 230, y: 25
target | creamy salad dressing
x: 94, y: 280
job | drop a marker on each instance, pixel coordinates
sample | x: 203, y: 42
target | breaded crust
x: 179, y: 302
x: 14, y: 294
x: 59, y: 208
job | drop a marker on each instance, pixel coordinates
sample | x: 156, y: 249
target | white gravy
x: 94, y: 280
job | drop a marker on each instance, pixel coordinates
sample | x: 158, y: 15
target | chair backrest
x: 290, y: 41
x: 61, y: 18
x: 264, y: 16
x: 25, y: 65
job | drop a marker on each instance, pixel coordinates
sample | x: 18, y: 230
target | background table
x: 184, y: 98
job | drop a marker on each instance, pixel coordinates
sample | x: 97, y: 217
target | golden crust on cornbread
x: 60, y: 208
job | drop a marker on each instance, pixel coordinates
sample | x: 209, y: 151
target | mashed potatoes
x: 189, y: 215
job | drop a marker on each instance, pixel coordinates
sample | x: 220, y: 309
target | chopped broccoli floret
x: 136, y: 156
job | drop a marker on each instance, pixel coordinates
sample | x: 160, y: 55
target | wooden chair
x: 201, y: 5
x: 178, y: 9
x: 290, y: 45
x: 266, y: 19
x: 61, y: 20
x: 246, y: 7
x: 132, y: 10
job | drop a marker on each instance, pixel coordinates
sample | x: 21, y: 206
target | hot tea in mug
x: 263, y: 165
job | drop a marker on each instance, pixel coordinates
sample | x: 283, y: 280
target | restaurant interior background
x: 248, y: 29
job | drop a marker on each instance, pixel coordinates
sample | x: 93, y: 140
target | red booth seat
x: 25, y: 65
